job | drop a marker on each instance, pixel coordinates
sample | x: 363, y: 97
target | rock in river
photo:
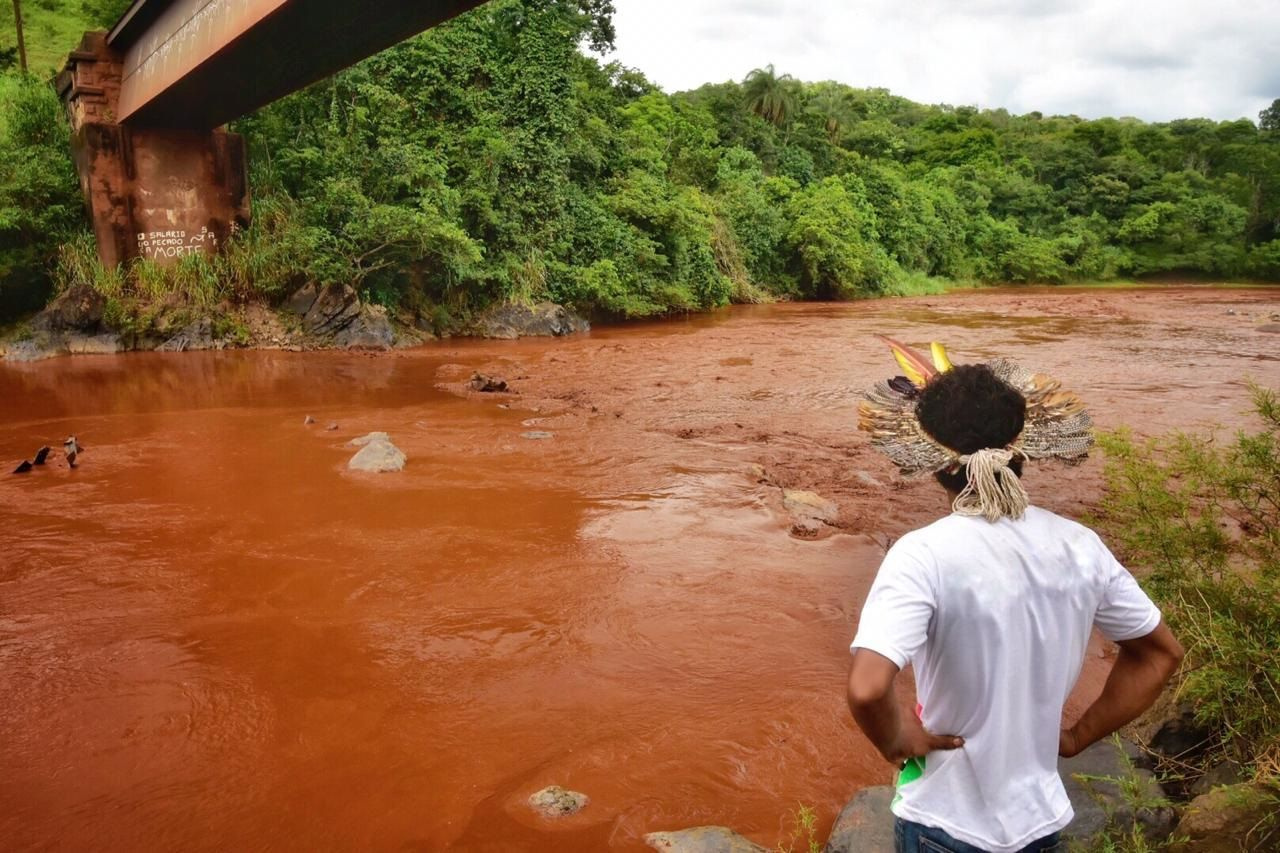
x: 555, y: 801
x: 702, y: 839
x: 361, y: 441
x: 377, y: 456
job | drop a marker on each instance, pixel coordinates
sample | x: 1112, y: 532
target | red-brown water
x: 213, y: 636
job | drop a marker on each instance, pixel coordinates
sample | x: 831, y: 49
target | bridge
x: 149, y: 101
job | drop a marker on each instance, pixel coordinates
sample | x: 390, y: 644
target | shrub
x: 1202, y: 517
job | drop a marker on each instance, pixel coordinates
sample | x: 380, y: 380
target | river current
x: 213, y: 636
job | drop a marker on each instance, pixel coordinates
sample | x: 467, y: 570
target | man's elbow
x: 1173, y: 658
x: 864, y: 695
x: 870, y: 680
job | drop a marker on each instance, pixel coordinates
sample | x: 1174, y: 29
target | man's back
x: 996, y: 616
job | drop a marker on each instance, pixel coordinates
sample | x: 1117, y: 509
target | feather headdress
x: 1057, y: 425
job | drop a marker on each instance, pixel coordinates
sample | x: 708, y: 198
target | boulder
x: 36, y: 348
x: 537, y: 435
x: 335, y: 307
x: 300, y: 302
x: 369, y: 329
x: 487, y: 384
x: 1225, y: 772
x: 516, y: 320
x: 1230, y: 819
x: 1271, y: 328
x: 377, y: 457
x: 197, y: 335
x: 79, y: 308
x: 865, y: 825
x: 809, y: 505
x: 105, y: 344
x: 555, y: 801
x: 702, y: 839
x: 361, y: 441
x: 1109, y: 791
x: 1179, y: 736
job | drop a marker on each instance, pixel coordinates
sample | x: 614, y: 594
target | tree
x: 1269, y: 119
x: 770, y: 95
x: 832, y: 108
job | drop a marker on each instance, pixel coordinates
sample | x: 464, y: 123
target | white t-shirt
x: 995, y: 618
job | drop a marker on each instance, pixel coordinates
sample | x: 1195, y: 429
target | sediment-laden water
x: 213, y: 636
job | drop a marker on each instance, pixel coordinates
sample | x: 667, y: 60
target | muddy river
x: 215, y: 637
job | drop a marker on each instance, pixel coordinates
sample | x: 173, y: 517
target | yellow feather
x: 940, y: 359
x: 908, y: 369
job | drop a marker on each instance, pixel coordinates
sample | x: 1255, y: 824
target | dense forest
x: 495, y: 157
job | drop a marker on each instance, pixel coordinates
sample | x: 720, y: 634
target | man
x: 993, y: 605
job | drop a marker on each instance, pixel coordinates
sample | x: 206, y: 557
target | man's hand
x: 914, y: 740
x: 1141, y: 670
x: 896, y: 735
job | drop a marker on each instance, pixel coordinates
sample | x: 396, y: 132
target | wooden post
x: 22, y: 44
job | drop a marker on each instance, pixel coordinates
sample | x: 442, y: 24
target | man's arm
x: 1141, y: 671
x: 898, y: 736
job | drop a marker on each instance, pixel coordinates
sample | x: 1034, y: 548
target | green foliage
x: 40, y: 203
x: 1202, y: 518
x: 491, y: 159
x: 803, y: 836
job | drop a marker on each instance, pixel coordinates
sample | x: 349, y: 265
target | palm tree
x: 832, y: 107
x: 770, y: 95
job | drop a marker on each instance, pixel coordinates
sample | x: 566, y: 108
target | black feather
x: 905, y: 387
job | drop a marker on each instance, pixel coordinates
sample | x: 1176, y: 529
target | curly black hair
x: 969, y: 408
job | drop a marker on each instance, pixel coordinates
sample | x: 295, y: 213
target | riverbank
x: 81, y: 321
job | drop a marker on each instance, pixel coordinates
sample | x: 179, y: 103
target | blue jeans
x: 911, y: 837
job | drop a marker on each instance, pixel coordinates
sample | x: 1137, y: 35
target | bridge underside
x: 146, y: 102
x: 198, y: 64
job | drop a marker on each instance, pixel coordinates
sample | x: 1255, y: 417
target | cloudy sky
x: 1154, y: 59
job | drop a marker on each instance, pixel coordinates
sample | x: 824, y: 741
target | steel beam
x: 200, y: 63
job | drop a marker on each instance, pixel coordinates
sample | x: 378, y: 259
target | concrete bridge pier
x: 152, y: 192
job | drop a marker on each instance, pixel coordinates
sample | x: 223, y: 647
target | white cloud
x: 1154, y: 59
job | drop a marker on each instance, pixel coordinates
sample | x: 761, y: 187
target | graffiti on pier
x: 176, y: 243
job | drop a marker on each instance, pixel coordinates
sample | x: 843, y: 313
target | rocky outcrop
x: 196, y: 335
x: 865, y: 824
x: 810, y: 512
x: 79, y: 308
x: 1230, y: 819
x: 702, y: 839
x: 1109, y: 791
x: 335, y: 313
x: 515, y: 320
x: 555, y: 801
x: 376, y: 455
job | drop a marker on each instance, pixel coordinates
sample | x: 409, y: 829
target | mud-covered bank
x: 81, y: 321
x: 216, y: 635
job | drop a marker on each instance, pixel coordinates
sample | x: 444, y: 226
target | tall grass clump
x: 1199, y: 518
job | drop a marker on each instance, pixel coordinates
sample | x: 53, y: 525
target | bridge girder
x: 198, y: 64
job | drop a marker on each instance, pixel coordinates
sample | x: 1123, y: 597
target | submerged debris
x: 487, y: 384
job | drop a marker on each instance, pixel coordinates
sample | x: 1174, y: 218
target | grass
x: 52, y: 29
x: 1201, y: 518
